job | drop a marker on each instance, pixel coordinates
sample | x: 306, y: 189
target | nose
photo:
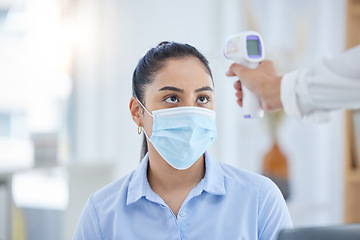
x: 189, y: 101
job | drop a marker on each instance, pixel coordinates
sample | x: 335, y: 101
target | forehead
x: 187, y: 72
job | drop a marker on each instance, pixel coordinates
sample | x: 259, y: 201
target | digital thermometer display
x: 253, y: 46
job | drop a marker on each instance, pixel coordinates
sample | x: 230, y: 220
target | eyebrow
x: 206, y: 88
x: 175, y: 89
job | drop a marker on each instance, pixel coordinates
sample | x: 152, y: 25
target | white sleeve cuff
x: 296, y: 99
x: 288, y: 95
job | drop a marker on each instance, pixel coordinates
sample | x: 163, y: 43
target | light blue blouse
x: 228, y: 204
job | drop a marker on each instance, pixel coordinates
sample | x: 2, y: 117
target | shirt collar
x: 138, y: 182
x: 213, y: 181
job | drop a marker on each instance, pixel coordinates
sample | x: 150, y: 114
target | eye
x: 203, y: 99
x: 172, y: 99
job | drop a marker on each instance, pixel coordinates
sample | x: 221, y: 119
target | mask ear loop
x: 148, y: 113
x: 143, y: 107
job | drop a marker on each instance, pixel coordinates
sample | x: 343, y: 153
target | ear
x: 135, y: 110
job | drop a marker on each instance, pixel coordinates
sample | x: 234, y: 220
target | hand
x: 264, y: 81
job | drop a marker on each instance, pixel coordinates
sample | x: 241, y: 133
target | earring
x: 139, y: 129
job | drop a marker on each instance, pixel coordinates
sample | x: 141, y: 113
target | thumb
x: 242, y: 72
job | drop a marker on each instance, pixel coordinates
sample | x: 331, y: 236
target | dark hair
x: 153, y: 61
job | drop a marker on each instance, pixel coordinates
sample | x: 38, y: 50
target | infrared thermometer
x: 247, y: 49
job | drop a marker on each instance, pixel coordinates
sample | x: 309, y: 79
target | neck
x: 163, y: 177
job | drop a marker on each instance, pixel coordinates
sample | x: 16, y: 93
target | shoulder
x: 113, y: 192
x: 98, y: 205
x: 254, y: 185
x: 271, y: 208
x: 244, y: 178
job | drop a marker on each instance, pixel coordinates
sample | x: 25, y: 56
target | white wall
x: 296, y: 33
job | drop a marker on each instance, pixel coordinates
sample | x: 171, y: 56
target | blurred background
x: 65, y: 84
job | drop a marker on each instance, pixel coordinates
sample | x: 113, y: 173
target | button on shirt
x: 228, y: 203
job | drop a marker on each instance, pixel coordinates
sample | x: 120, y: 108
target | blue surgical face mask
x: 182, y: 134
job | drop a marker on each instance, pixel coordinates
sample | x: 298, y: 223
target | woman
x: 179, y: 191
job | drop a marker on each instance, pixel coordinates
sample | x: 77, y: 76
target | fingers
x: 264, y: 81
x: 234, y: 69
x: 238, y: 93
x: 237, y: 85
x: 238, y: 70
x: 229, y: 73
x: 239, y: 101
x: 268, y: 67
x: 239, y: 97
x: 245, y: 75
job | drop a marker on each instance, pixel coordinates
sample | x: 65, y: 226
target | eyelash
x: 170, y: 96
x: 208, y: 98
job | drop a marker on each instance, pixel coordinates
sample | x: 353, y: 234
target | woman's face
x: 181, y: 82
